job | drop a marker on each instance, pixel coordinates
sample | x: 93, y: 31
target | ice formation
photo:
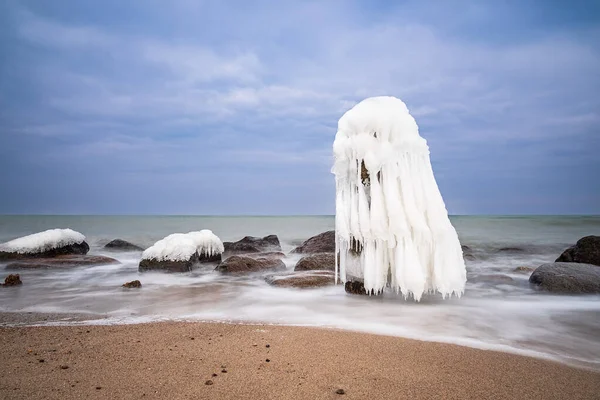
x: 182, y: 246
x: 391, y: 223
x: 43, y: 241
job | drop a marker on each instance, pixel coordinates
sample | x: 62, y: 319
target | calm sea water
x: 493, y: 314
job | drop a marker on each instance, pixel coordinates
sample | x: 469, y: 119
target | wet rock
x: 133, y: 284
x: 12, y: 280
x: 242, y: 264
x: 320, y: 261
x: 76, y: 248
x: 511, y: 250
x: 467, y: 253
x: 251, y: 244
x: 169, y: 265
x: 491, y: 278
x: 302, y: 280
x: 586, y: 250
x: 205, y: 258
x: 355, y: 287
x: 562, y: 277
x: 63, y: 262
x: 122, y: 245
x: 322, y: 243
x: 524, y: 269
x: 267, y: 254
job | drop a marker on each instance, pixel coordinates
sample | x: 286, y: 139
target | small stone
x: 267, y: 346
x: 133, y: 284
x: 41, y: 360
x: 340, y: 391
x: 214, y: 375
x: 208, y: 382
x: 192, y: 338
x: 98, y: 387
x: 64, y: 367
x: 224, y: 371
x: 267, y: 360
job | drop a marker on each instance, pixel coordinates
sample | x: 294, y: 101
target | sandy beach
x: 176, y: 361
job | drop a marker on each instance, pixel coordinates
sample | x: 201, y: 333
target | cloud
x: 258, y: 86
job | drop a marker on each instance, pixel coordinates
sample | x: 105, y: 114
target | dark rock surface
x: 587, y: 251
x: 169, y: 265
x: 205, y: 258
x: 320, y: 261
x: 63, y: 261
x: 302, y: 280
x: 133, y: 284
x: 76, y: 248
x: 355, y: 287
x: 251, y: 244
x: 122, y: 245
x: 242, y: 264
x: 562, y: 277
x: 12, y: 280
x: 322, y: 243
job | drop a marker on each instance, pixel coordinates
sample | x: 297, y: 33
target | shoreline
x: 175, y: 359
x: 31, y: 319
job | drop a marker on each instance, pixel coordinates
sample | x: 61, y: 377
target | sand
x: 175, y: 360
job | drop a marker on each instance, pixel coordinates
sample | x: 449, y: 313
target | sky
x: 231, y: 107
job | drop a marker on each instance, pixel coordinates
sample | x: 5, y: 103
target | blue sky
x: 231, y: 107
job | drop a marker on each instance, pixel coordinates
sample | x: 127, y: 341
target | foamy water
x: 504, y: 314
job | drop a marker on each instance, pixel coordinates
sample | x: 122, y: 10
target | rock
x: 340, y: 391
x: 122, y: 245
x: 322, y: 243
x: 12, y: 280
x: 491, y: 278
x: 267, y: 254
x: 72, y: 249
x: 523, y: 269
x: 302, y: 280
x: 355, y: 287
x: 242, y: 264
x: 133, y: 284
x: 205, y: 258
x: 251, y: 244
x: 511, y: 250
x: 64, y: 261
x: 467, y: 253
x: 169, y: 265
x: 562, y: 277
x: 587, y: 251
x: 320, y: 261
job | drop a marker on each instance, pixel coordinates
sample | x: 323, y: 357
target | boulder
x: 562, y: 277
x: 133, y: 284
x: 63, y: 261
x: 75, y: 248
x: 242, y: 264
x: 251, y: 244
x: 320, y: 261
x: 154, y: 264
x: 122, y: 245
x: 302, y: 280
x: 322, y: 243
x: 205, y: 258
x: 355, y: 287
x: 587, y: 251
x: 12, y: 280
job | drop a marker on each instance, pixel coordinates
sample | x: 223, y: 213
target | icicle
x: 392, y: 226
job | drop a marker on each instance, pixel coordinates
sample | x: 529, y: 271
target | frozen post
x: 392, y: 227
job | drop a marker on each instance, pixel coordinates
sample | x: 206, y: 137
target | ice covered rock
x: 321, y: 243
x: 319, y: 261
x: 586, y: 250
x: 302, y: 280
x: 50, y: 243
x: 61, y: 262
x: 251, y: 244
x: 243, y: 264
x: 178, y: 252
x: 563, y: 277
x: 122, y: 245
x: 391, y: 223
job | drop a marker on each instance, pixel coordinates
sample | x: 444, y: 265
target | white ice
x: 397, y: 216
x: 182, y: 246
x: 43, y: 241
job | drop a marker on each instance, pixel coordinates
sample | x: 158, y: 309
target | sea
x: 499, y: 310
